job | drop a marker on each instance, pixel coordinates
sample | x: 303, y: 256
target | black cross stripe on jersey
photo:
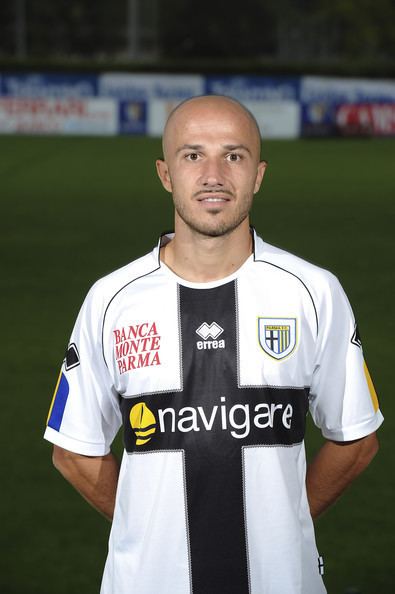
x: 213, y: 458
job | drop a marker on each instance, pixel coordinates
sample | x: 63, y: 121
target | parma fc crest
x: 277, y: 336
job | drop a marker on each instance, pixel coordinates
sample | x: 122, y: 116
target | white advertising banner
x: 59, y: 116
x: 158, y: 112
x: 276, y: 119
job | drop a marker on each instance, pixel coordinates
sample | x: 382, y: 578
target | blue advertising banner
x: 60, y: 86
x: 254, y: 88
x: 132, y: 117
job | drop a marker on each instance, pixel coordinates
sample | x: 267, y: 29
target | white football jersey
x: 212, y: 383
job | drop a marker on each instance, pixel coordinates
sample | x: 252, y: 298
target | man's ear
x: 260, y: 173
x: 163, y: 173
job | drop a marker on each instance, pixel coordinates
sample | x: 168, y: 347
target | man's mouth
x: 213, y: 196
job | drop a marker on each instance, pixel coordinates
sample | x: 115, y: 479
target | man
x: 210, y: 351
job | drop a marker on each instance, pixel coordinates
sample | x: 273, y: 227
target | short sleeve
x: 84, y: 415
x: 343, y: 401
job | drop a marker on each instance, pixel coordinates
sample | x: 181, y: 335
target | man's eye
x: 233, y: 157
x: 192, y: 156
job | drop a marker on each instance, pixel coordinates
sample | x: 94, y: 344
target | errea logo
x: 213, y: 331
x: 209, y: 331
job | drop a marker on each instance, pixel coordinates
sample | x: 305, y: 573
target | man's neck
x: 200, y: 259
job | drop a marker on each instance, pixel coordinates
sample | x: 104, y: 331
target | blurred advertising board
x: 366, y: 119
x: 58, y: 116
x: 62, y: 86
x: 321, y: 97
x: 273, y: 101
x: 147, y: 99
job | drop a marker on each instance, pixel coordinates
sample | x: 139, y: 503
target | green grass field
x: 73, y: 210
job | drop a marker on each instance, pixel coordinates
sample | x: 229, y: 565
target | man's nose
x: 212, y: 174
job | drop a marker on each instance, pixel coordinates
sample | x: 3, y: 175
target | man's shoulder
x: 110, y: 284
x: 310, y: 274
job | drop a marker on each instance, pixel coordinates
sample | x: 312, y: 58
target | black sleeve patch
x: 72, y: 357
x: 356, y: 338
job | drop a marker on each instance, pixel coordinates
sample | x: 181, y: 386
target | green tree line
x: 293, y: 31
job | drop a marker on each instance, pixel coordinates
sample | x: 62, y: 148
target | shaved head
x: 212, y: 166
x: 200, y: 107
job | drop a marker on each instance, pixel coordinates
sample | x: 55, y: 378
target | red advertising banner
x: 366, y: 119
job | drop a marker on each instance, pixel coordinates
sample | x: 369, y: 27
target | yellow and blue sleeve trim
x: 372, y: 390
x: 58, y: 404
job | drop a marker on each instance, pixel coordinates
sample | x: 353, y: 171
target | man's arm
x: 335, y: 466
x: 94, y: 477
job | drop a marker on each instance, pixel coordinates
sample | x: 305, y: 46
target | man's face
x: 211, y: 165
